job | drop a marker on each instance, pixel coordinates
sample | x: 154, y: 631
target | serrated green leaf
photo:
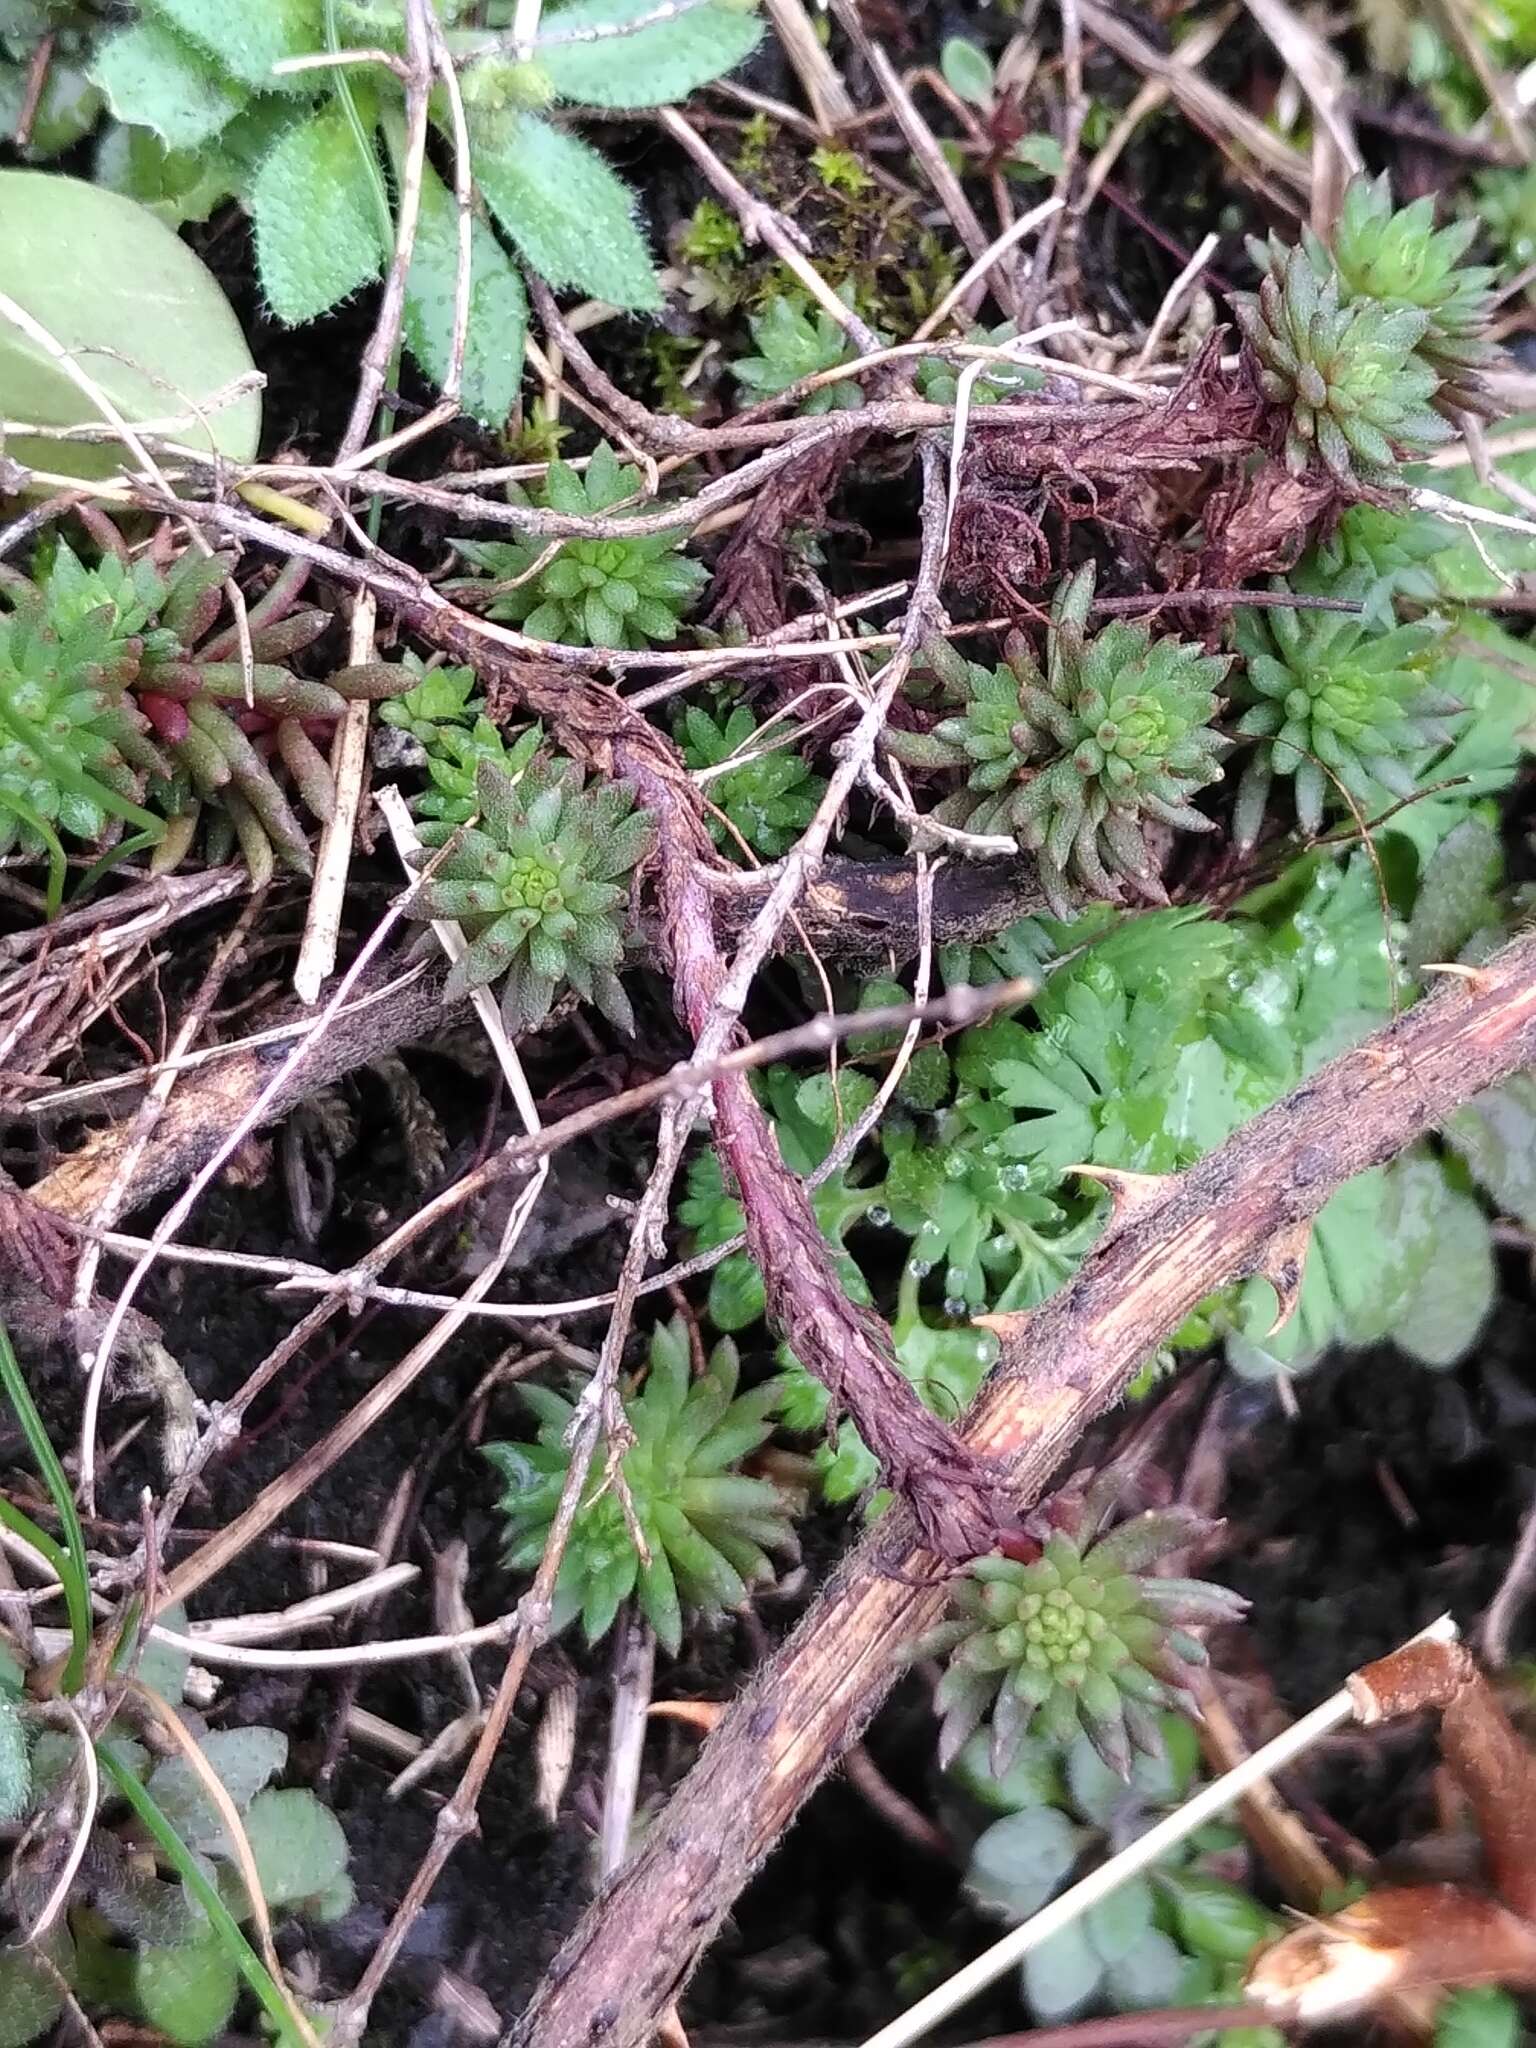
x: 248, y: 37
x: 498, y: 306
x: 649, y: 66
x: 179, y: 185
x: 298, y: 1845
x: 317, y: 231
x: 157, y: 79
x: 569, y: 215
x: 968, y: 71
x: 176, y: 185
x: 737, y: 1298
x: 187, y: 1992
x: 133, y: 304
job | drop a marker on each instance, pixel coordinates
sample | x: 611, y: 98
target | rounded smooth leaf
x: 1032, y: 1779
x: 316, y: 215
x: 968, y: 71
x: 589, y: 52
x: 1021, y: 1860
x: 569, y: 215
x: 1149, y: 1975
x: 1215, y: 1918
x: 1061, y: 1976
x: 187, y: 1992
x: 65, y: 112
x: 1120, y: 1923
x: 1455, y: 1289
x: 298, y: 1845
x: 138, y: 311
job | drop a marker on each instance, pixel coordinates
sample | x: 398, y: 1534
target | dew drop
x: 880, y: 1216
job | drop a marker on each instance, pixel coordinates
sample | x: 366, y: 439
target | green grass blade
x: 68, y: 1559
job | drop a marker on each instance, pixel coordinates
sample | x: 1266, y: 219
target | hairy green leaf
x: 498, y: 306
x: 1456, y: 894
x: 570, y: 216
x: 243, y: 1759
x: 30, y: 1998
x: 15, y: 1763
x: 298, y: 1845
x: 317, y: 232
x: 157, y: 79
x: 589, y: 52
x: 249, y: 36
x: 188, y: 1992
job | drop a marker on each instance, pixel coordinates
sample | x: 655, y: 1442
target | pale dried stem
x: 820, y: 79
x: 333, y: 861
x: 385, y: 338
x: 634, y: 1665
x: 923, y: 143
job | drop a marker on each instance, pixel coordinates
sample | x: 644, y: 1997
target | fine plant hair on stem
x: 1061, y: 1366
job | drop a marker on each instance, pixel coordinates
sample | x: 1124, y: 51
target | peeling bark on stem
x: 846, y: 1347
x: 1062, y: 1366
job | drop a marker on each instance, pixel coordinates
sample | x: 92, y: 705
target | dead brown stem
x: 1491, y: 1762
x: 1062, y: 1365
